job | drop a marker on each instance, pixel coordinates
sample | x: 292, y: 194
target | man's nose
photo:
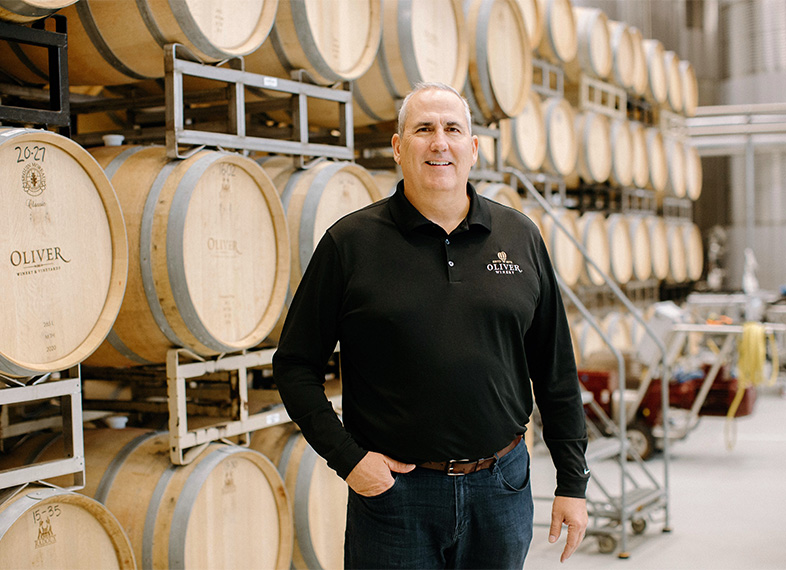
x: 439, y: 141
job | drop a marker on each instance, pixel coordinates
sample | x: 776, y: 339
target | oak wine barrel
x: 594, y: 352
x: 620, y: 248
x: 594, y: 147
x: 593, y: 56
x: 694, y: 173
x: 640, y: 71
x: 594, y: 237
x: 112, y: 43
x: 209, y: 254
x: 500, y: 59
x: 62, y: 286
x: 622, y: 153
x: 386, y: 180
x: 623, y: 57
x: 533, y: 20
x: 421, y: 42
x: 29, y: 10
x: 564, y: 254
x: 690, y: 88
x: 674, y: 95
x: 527, y: 148
x: 500, y: 192
x: 561, y: 137
x: 314, y: 199
x: 675, y: 161
x: 317, y: 494
x: 559, y: 43
x: 657, y: 160
x: 694, y: 251
x: 657, y: 80
x: 49, y: 528
x: 659, y: 245
x: 333, y: 41
x: 678, y: 262
x: 639, y: 158
x: 640, y: 247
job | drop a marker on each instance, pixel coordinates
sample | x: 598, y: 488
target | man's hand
x: 372, y: 476
x: 572, y: 512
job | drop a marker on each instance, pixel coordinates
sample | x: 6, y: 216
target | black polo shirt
x: 439, y: 337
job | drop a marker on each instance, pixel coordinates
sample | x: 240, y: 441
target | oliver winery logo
x: 502, y: 265
x: 33, y: 179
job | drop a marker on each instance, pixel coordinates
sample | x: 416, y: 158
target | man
x: 445, y: 305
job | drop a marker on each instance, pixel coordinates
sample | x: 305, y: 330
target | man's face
x: 435, y: 150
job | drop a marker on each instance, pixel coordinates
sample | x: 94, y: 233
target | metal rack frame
x: 69, y: 392
x: 183, y: 366
x: 179, y: 62
x: 59, y: 112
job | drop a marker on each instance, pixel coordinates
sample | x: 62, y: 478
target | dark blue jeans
x: 428, y: 519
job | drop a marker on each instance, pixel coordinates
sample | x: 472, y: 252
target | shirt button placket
x: 451, y: 264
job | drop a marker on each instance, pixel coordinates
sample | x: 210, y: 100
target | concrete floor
x: 726, y: 505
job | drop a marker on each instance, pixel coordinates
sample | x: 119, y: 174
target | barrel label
x: 229, y: 486
x: 35, y: 261
x: 223, y: 247
x: 43, y: 518
x: 33, y: 179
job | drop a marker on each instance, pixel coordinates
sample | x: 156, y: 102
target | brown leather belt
x: 465, y: 466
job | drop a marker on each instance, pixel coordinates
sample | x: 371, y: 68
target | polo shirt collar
x: 408, y: 218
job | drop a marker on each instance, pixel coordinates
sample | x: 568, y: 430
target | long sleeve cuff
x: 572, y: 472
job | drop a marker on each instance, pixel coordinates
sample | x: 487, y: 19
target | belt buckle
x: 452, y: 462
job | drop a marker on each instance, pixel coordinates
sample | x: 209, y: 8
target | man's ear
x: 395, y: 142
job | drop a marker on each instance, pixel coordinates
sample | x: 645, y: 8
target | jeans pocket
x: 384, y: 494
x: 514, y: 473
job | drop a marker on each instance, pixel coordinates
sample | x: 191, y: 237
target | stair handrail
x: 544, y: 204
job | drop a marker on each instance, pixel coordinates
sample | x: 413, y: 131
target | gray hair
x: 402, y: 113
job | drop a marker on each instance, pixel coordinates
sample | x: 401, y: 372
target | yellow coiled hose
x: 752, y: 349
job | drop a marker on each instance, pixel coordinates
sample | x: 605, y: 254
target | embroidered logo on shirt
x: 502, y: 265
